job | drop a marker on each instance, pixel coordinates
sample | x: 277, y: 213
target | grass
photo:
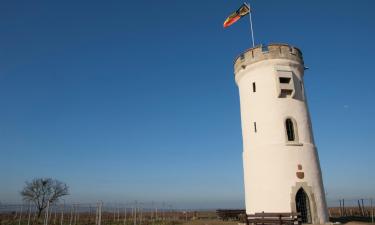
x: 210, y: 222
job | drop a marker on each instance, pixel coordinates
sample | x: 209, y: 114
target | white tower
x: 281, y: 164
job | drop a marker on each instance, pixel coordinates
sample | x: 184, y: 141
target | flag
x: 242, y: 11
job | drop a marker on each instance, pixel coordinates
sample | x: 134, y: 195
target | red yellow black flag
x: 242, y: 11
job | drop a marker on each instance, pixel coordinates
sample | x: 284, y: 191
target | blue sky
x: 135, y: 100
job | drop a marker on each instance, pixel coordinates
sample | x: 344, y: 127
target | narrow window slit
x: 290, y: 130
x: 254, y: 87
x: 255, y: 127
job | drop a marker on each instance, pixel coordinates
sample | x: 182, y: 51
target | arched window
x: 290, y: 130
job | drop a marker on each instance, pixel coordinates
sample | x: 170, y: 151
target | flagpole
x: 251, y: 25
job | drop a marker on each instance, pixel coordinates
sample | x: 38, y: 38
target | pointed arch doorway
x: 303, y: 205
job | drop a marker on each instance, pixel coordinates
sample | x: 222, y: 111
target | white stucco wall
x: 270, y: 161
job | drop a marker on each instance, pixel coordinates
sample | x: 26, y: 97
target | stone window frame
x: 282, y: 71
x: 310, y: 194
x: 295, y: 142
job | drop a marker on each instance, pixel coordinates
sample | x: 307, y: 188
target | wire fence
x: 138, y: 213
x: 94, y: 214
x: 362, y: 207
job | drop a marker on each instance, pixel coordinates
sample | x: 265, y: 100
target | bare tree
x: 41, y: 190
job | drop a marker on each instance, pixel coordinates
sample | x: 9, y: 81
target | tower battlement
x: 265, y: 52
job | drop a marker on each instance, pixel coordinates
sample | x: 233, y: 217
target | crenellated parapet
x: 266, y: 52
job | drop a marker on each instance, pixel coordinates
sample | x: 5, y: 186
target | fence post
x: 90, y: 212
x: 71, y: 216
x: 114, y: 214
x: 50, y: 214
x: 135, y: 215
x: 97, y: 214
x: 100, y: 213
x: 62, y: 213
x: 29, y: 214
x: 46, y: 214
x: 35, y: 213
x: 20, y: 217
x: 16, y: 213
x: 75, y: 214
x: 54, y: 219
x: 125, y: 216
x: 372, y: 212
x: 118, y: 213
x: 363, y: 208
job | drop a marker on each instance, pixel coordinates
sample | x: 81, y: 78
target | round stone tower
x: 281, y: 164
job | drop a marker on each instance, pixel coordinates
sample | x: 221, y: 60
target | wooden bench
x: 274, y: 218
x: 230, y: 214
